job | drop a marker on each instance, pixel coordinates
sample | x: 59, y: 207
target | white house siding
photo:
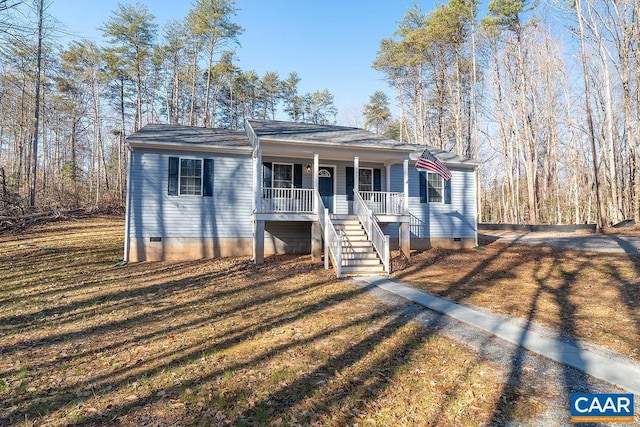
x: 189, y: 223
x: 439, y: 222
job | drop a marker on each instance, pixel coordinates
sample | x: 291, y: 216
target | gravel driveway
x: 592, y: 242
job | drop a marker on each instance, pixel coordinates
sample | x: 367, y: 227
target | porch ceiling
x: 307, y: 150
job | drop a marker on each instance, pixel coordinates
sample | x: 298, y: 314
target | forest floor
x: 86, y: 340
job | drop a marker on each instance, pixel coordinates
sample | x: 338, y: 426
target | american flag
x: 429, y: 162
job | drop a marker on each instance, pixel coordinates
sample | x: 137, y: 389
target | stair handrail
x: 371, y: 227
x: 332, y: 239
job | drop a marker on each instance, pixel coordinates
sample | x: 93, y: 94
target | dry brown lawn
x: 594, y: 296
x: 85, y: 341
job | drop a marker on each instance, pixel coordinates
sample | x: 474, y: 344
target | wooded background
x: 544, y: 94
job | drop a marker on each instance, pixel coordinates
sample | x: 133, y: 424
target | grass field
x: 217, y: 342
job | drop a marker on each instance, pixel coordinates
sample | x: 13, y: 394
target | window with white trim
x: 282, y: 175
x: 435, y: 188
x: 365, y: 179
x: 191, y: 177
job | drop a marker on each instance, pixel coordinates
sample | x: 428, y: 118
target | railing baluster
x: 378, y: 239
x: 383, y: 202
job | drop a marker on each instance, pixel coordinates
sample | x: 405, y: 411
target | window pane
x: 191, y: 177
x: 365, y: 180
x: 434, y: 187
x: 282, y: 176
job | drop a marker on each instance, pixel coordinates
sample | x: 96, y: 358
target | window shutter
x: 172, y: 186
x: 207, y: 184
x: 297, y: 176
x: 377, y: 180
x: 423, y: 187
x: 350, y: 172
x: 266, y: 174
x: 447, y: 191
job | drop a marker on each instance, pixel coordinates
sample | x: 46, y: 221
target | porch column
x: 258, y: 241
x: 316, y: 242
x: 388, y: 178
x: 405, y: 167
x: 257, y: 182
x: 356, y: 174
x: 405, y: 238
x: 316, y: 229
x: 405, y: 227
x: 316, y: 167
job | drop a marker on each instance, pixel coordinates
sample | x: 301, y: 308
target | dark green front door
x: 325, y: 186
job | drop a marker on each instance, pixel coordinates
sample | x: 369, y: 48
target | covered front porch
x: 318, y: 189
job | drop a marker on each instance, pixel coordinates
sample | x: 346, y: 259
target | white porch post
x: 388, y: 178
x: 316, y: 167
x: 356, y: 174
x: 406, y: 184
x: 316, y: 227
x: 257, y: 182
x: 258, y: 226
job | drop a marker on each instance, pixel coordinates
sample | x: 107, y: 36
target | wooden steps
x: 359, y: 257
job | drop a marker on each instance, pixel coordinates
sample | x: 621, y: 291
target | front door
x: 325, y: 186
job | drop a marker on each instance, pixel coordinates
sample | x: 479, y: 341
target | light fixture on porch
x: 308, y: 168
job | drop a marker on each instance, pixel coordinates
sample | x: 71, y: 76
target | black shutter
x: 207, y: 184
x: 297, y: 176
x: 377, y: 180
x: 172, y: 187
x: 349, y: 183
x: 423, y: 186
x: 447, y: 191
x: 266, y: 174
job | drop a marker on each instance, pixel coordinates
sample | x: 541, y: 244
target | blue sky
x: 330, y: 44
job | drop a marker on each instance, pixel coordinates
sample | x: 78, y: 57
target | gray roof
x: 188, y: 136
x: 157, y: 134
x: 345, y: 137
x: 307, y: 132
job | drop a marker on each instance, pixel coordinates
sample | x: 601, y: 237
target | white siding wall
x: 153, y: 213
x: 457, y: 219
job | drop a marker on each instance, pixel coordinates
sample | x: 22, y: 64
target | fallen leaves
x: 590, y: 295
x: 212, y: 342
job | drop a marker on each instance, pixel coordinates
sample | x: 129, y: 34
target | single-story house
x: 281, y: 187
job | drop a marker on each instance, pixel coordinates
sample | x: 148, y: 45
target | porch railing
x: 383, y: 202
x: 299, y: 200
x: 332, y: 240
x: 371, y: 227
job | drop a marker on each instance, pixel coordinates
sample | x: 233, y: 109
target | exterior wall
x: 187, y: 248
x: 190, y: 227
x: 440, y: 224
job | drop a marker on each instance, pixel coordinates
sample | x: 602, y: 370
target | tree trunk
x: 602, y: 216
x: 36, y: 118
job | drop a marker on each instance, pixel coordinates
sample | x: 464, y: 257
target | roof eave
x: 190, y: 147
x: 308, y: 143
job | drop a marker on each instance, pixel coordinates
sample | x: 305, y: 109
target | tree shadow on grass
x: 263, y: 304
x: 260, y: 293
x: 553, y: 282
x: 574, y: 381
x: 628, y: 289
